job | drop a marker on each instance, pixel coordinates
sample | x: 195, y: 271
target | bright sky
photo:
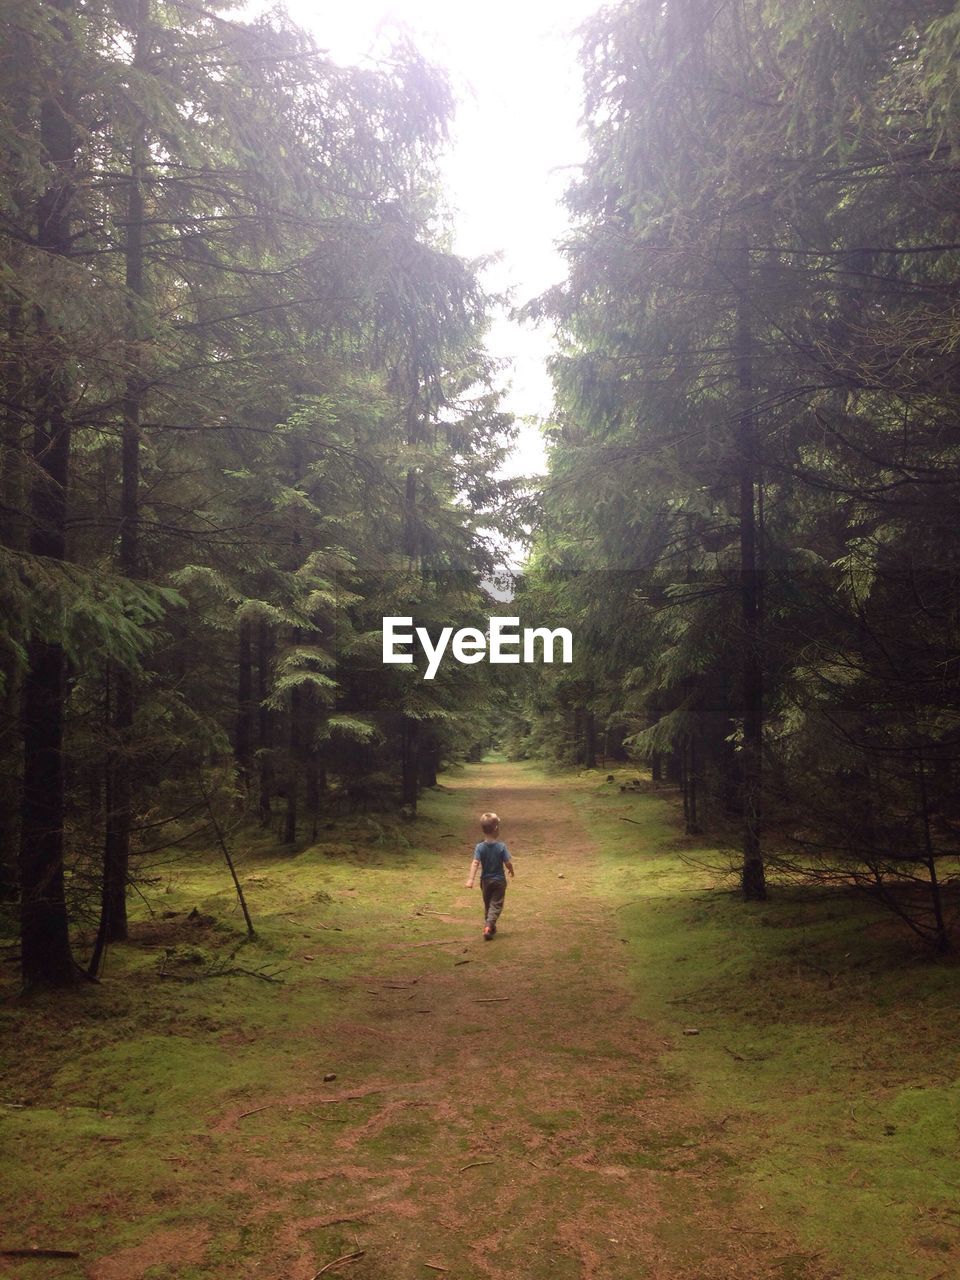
x: 513, y: 65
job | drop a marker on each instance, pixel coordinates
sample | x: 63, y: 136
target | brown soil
x: 513, y: 1121
x: 186, y: 1245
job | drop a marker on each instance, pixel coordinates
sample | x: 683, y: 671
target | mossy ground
x: 530, y: 1108
x: 827, y: 1043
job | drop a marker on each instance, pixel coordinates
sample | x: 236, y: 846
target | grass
x: 115, y: 1085
x: 826, y: 1042
x: 819, y: 1095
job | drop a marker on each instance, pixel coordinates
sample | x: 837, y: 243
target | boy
x: 493, y: 858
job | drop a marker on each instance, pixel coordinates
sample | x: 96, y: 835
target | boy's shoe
x: 488, y: 932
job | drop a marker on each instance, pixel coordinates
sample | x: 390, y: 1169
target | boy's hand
x: 469, y: 884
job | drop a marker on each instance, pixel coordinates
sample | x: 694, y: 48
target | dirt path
x: 512, y: 1120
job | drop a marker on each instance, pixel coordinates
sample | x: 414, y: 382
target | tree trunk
x: 243, y: 740
x: 578, y: 735
x: 45, y: 943
x: 264, y: 724
x: 116, y: 848
x: 936, y: 898
x: 589, y: 740
x: 429, y: 761
x: 672, y: 767
x: 409, y: 762
x: 13, y: 491
x: 10, y: 780
x: 753, y: 879
x: 313, y: 793
x: 693, y: 785
x: 12, y: 536
x: 294, y: 753
x: 46, y: 957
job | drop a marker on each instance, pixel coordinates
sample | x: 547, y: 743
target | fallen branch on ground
x: 476, y: 1164
x: 434, y: 942
x: 355, y: 1256
x: 216, y: 972
x: 39, y: 1253
x: 256, y: 1111
x: 352, y: 1097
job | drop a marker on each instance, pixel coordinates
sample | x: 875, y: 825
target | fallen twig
x: 490, y: 999
x: 355, y: 1256
x: 351, y: 1097
x: 256, y: 1110
x: 215, y: 972
x: 634, y: 821
x: 435, y: 1266
x: 39, y: 1253
x: 243, y: 973
x: 476, y: 1164
x: 434, y: 942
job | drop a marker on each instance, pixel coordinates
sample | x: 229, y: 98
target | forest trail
x: 544, y: 1138
x: 498, y: 1111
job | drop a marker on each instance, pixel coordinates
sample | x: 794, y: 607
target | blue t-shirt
x: 492, y: 854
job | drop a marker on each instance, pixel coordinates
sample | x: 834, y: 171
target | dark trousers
x: 493, y: 891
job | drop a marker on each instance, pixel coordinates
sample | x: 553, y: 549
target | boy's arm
x: 473, y: 872
x: 508, y: 865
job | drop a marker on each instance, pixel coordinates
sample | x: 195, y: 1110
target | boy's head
x: 489, y: 824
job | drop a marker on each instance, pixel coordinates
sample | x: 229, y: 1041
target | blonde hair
x: 489, y: 824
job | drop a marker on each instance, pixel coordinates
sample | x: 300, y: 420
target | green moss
x: 824, y: 1047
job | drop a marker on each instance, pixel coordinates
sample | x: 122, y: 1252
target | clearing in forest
x: 531, y: 1107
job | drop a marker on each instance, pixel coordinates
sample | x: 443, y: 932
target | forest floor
x: 640, y: 1077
